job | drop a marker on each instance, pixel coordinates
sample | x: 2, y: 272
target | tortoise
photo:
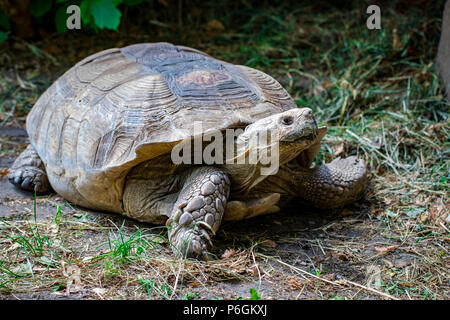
x: 103, y: 136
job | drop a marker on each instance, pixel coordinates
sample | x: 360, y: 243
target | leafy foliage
x: 94, y: 14
x: 5, y: 25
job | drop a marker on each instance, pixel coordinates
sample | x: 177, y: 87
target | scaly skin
x: 198, y: 212
x: 28, y: 172
x: 332, y: 185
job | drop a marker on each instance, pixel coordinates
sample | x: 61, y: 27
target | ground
x: 379, y: 95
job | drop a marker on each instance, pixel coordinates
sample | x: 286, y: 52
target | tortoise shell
x: 122, y: 106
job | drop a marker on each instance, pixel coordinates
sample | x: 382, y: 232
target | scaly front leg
x: 198, y: 211
x: 334, y: 184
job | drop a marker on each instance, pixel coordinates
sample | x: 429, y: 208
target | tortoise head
x: 277, y: 139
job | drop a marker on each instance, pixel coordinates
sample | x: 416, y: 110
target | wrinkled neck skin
x: 287, y: 182
x: 257, y: 159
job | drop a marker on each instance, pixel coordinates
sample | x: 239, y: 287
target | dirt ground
x: 392, y: 244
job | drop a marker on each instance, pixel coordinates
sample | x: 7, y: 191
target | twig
x: 335, y: 283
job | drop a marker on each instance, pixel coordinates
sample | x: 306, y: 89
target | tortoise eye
x: 287, y: 121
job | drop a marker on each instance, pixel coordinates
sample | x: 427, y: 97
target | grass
x: 378, y: 93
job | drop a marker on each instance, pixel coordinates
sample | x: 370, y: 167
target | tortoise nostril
x: 307, y: 113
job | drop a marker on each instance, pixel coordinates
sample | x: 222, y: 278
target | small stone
x: 208, y: 188
x: 215, y: 178
x: 185, y: 219
x: 195, y: 204
x: 209, y: 219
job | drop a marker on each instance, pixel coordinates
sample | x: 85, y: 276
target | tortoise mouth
x: 306, y: 156
x: 303, y: 159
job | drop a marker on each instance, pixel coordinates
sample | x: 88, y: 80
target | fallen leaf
x: 294, y: 283
x: 437, y: 212
x: 400, y: 263
x: 343, y: 257
x: 4, y: 172
x: 396, y: 42
x: 73, y: 279
x: 214, y: 26
x: 423, y: 217
x: 373, y: 276
x: 228, y: 253
x: 346, y: 212
x: 99, y: 291
x: 329, y: 277
x: 255, y: 271
x: 386, y: 249
x: 339, y: 149
x: 269, y: 243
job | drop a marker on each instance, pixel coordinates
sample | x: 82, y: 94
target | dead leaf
x: 400, y: 263
x: 4, y: 172
x: 339, y: 149
x: 294, y: 283
x: 437, y: 213
x: 396, y: 42
x: 346, y: 212
x: 255, y: 271
x: 99, y: 291
x: 228, y: 253
x: 373, y: 276
x: 386, y: 249
x: 343, y: 257
x: 345, y: 84
x: 269, y: 243
x: 214, y: 26
x: 423, y: 217
x: 73, y: 280
x: 329, y: 277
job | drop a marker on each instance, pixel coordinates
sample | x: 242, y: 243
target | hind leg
x: 28, y: 172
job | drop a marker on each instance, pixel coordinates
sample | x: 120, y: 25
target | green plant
x: 4, y: 25
x: 151, y: 286
x: 35, y: 242
x: 191, y: 296
x: 95, y: 14
x: 254, y: 294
